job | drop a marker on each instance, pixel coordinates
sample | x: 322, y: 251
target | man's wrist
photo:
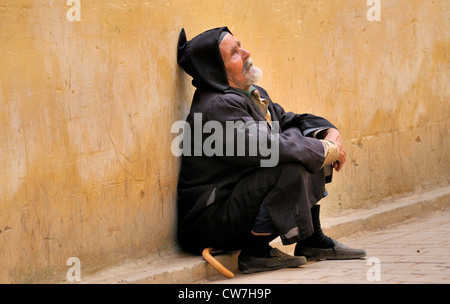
x: 331, y: 151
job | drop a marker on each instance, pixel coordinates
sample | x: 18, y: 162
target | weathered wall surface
x: 86, y: 109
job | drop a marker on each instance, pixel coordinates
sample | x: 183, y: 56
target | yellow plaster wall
x: 86, y: 109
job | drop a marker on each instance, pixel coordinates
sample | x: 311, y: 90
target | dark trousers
x: 288, y: 193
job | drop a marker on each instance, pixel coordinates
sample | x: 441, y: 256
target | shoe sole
x: 246, y: 269
x: 316, y: 254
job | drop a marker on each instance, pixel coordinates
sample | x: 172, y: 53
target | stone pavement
x: 415, y: 251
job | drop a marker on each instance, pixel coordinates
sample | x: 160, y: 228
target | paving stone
x: 413, y: 252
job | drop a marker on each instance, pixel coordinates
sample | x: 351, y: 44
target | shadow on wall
x: 184, y: 93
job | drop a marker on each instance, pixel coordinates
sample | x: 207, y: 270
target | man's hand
x: 334, y: 136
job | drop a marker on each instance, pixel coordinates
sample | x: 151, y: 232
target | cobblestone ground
x: 417, y: 251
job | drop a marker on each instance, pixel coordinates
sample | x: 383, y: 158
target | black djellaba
x: 220, y: 196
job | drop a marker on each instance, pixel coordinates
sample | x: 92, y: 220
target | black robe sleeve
x: 306, y: 123
x: 293, y: 145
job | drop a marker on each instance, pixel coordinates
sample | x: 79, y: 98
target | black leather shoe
x: 338, y: 252
x: 277, y: 260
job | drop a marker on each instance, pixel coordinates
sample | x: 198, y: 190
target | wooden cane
x: 215, y: 264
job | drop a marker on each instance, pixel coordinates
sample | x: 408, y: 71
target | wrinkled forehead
x: 229, y: 44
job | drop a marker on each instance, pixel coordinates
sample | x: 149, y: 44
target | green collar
x: 247, y: 93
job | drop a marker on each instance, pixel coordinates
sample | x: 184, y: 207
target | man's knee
x: 291, y: 169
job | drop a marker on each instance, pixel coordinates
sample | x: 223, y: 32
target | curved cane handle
x: 215, y: 264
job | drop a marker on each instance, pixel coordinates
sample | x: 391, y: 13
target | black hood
x: 200, y: 57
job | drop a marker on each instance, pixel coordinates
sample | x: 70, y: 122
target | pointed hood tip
x: 181, y: 45
x: 201, y: 58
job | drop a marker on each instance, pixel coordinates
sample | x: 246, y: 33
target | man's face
x: 239, y: 66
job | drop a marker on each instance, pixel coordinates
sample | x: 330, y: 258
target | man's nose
x: 245, y: 54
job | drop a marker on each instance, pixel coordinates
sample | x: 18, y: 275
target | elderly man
x: 228, y: 199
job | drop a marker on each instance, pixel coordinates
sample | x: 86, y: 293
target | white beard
x: 252, y: 74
